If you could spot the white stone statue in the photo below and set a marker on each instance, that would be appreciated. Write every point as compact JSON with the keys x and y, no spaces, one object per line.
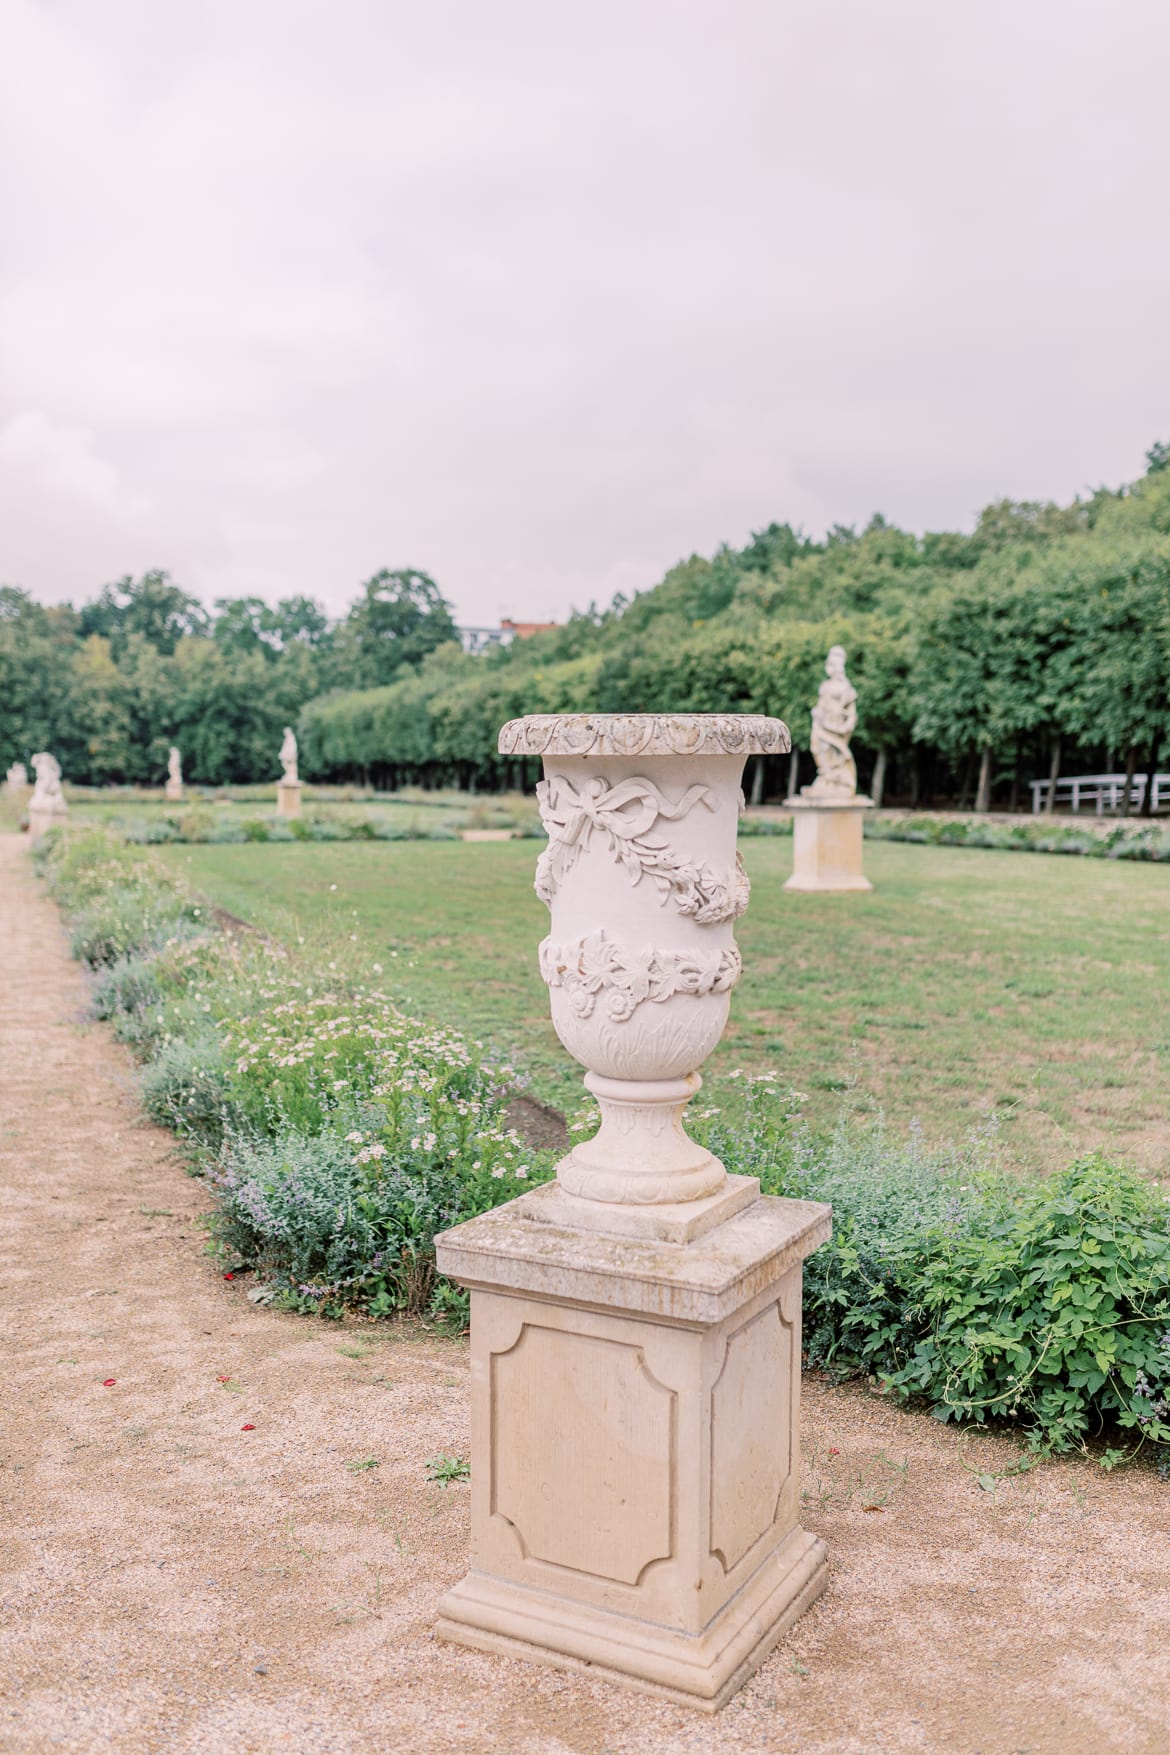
{"x":174,"y":774}
{"x":46,"y":807}
{"x":288,"y":757}
{"x":47,"y":794}
{"x":17,"y":776}
{"x":834,"y":720}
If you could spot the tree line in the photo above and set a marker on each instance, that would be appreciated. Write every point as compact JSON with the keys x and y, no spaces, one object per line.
{"x":1036,"y":644}
{"x":1039,"y":643}
{"x":111,"y":686}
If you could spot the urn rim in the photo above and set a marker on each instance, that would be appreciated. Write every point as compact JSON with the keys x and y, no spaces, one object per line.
{"x":644,"y":734}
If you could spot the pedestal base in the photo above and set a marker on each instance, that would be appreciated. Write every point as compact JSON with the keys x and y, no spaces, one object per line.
{"x":41,"y":821}
{"x":827,"y":842}
{"x":703,"y":1671}
{"x":635,"y":1444}
{"x":288,"y":798}
{"x":174,"y":792}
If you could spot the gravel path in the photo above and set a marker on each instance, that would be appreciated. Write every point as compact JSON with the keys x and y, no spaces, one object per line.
{"x":190,"y":1564}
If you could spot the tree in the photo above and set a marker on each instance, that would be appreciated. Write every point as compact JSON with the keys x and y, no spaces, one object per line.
{"x":399,"y":618}
{"x":151,"y":606}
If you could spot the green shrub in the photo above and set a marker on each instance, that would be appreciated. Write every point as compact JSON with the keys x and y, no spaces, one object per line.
{"x":334,"y":1220}
{"x":183,"y":1088}
{"x":125,"y":921}
{"x":345,"y":1134}
{"x":1045,"y":1303}
{"x":1054,"y":1309}
{"x":1028,"y":835}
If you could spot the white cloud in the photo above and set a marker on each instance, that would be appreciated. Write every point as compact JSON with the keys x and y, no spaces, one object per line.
{"x":62,"y":460}
{"x":541,"y":299}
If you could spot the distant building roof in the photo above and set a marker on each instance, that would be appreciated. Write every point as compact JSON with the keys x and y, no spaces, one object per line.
{"x":476,"y":640}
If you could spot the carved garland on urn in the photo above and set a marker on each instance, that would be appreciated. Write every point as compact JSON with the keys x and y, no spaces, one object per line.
{"x":622,"y":817}
{"x":596,"y":964}
{"x":641,"y":1015}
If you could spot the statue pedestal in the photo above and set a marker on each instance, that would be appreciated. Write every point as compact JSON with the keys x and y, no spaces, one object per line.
{"x":288,"y":798}
{"x":174,"y":792}
{"x":42,"y":818}
{"x":827,"y":843}
{"x":635,"y":1442}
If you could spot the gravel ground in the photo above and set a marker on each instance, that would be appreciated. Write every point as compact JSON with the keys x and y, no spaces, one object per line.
{"x":189,"y":1562}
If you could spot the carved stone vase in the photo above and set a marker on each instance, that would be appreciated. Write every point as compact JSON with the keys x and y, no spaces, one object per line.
{"x":635,"y":1325}
{"x":644,"y":886}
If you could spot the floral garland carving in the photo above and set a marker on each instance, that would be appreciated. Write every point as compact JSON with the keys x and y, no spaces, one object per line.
{"x":638,"y":734}
{"x":595,"y":965}
{"x":623,"y":815}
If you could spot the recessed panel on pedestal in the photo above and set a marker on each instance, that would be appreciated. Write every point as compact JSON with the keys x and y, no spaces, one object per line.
{"x":583,"y":1453}
{"x":751,"y":1435}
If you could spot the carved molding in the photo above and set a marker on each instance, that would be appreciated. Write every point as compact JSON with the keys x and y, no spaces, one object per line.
{"x":640,"y":734}
{"x":595,"y":966}
{"x":621,"y":816}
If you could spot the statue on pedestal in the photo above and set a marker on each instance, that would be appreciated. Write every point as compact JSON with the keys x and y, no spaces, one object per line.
{"x":827,"y":816}
{"x":834,"y":720}
{"x":288,"y":787}
{"x":17,"y":777}
{"x":47,"y":794}
{"x":174,"y":773}
{"x":288,"y":758}
{"x":46,"y":807}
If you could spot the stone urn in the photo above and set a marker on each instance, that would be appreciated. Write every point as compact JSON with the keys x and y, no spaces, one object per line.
{"x":635,"y":1325}
{"x":643,"y":886}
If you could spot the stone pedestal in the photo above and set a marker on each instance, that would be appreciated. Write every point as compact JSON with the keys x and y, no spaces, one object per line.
{"x":635,"y":1326}
{"x":635,"y":1438}
{"x":827,"y":843}
{"x":174,"y":792}
{"x":42,"y":818}
{"x":288,"y":798}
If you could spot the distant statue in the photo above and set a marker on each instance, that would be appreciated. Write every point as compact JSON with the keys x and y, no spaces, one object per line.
{"x":834,"y":720}
{"x":47,"y":794}
{"x":174,"y":774}
{"x":288,"y":758}
{"x":17,"y":776}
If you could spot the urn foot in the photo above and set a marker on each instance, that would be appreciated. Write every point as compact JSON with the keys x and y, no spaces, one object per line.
{"x":641,"y":1154}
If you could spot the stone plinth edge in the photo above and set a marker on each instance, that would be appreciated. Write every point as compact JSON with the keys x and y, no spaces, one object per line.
{"x":849,"y":801}
{"x":644,"y":734}
{"x":693,"y":1284}
{"x":672,"y":1222}
{"x":699,"y":1670}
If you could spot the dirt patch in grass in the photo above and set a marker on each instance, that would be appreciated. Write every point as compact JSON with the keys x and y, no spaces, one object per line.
{"x":540,"y":1125}
{"x":234,"y":1545}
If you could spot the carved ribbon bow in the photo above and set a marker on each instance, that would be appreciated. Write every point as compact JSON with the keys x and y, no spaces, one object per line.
{"x":568,"y":814}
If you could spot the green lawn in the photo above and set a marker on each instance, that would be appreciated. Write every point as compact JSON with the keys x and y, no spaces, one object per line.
{"x":968,"y":983}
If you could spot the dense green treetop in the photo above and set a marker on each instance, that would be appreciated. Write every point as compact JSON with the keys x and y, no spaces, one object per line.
{"x":1043,"y":629}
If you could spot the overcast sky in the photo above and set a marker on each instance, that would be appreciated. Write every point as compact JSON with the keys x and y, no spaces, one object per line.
{"x":542,"y":297}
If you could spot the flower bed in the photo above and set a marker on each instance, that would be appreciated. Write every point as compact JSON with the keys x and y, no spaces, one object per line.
{"x":340,"y":1135}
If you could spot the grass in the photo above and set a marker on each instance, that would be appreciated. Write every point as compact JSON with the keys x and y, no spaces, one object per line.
{"x":968,"y":984}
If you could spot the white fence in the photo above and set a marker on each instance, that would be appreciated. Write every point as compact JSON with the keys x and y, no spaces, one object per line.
{"x":1103,"y":792}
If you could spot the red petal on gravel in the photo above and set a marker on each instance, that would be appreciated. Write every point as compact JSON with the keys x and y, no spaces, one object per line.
{"x":247,"y":1428}
{"x":229,"y":1276}
{"x":109,"y":1382}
